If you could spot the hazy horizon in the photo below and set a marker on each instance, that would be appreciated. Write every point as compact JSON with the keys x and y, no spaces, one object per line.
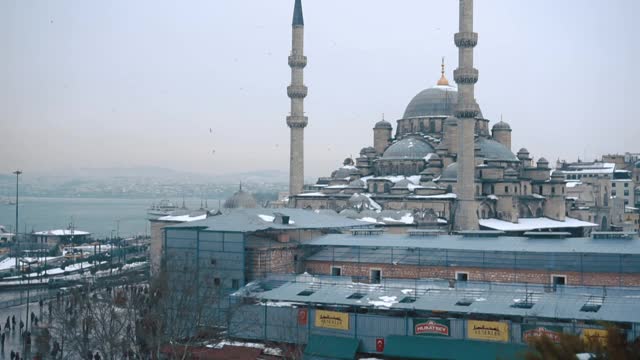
{"x":200,"y":86}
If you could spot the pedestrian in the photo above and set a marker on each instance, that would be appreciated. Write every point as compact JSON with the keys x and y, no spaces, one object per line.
{"x":96,"y":356}
{"x":36,"y":321}
{"x":17,"y":355}
{"x":32,"y":317}
{"x":40,"y":303}
{"x":2,"y":340}
{"x":21,"y":326}
{"x":13,"y":355}
{"x":13,"y":321}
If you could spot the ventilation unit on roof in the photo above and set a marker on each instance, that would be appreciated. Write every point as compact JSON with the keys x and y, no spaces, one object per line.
{"x":464,"y":302}
{"x":593,"y":304}
{"x":355,"y":296}
{"x":547,"y":234}
{"x":366,"y":232}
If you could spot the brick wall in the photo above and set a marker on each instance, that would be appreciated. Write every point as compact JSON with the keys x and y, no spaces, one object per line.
{"x":475,"y":274}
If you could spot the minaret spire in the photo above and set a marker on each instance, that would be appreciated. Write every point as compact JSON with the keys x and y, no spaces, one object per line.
{"x":443,"y":79}
{"x":466,"y":217}
{"x":298,"y":19}
{"x":297,"y":92}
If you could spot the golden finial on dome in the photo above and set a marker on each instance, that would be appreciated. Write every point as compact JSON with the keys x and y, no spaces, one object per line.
{"x":443,"y":79}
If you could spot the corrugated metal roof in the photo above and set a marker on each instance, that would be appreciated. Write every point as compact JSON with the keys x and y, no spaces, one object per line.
{"x":501,"y":243}
{"x":249,"y":220}
{"x":617,"y":304}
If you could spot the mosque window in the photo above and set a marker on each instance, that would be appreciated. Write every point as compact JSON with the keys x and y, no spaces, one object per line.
{"x":506,"y":189}
{"x":540,"y":189}
{"x":553,"y":189}
{"x":493,"y":189}
{"x":525,"y":189}
{"x":626,"y":184}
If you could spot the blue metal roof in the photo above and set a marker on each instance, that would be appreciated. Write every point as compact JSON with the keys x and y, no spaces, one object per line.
{"x":565,"y":303}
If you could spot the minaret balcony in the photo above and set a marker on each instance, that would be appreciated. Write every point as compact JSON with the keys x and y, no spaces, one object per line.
{"x":466,"y":111}
{"x":465,"y":76}
{"x":299,"y":61}
{"x":297,"y":91}
{"x":466,"y":39}
{"x":297,"y":121}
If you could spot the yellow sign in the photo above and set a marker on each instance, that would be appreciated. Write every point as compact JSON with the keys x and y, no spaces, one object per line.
{"x":332,"y":320}
{"x":595,"y":335}
{"x":487,"y":330}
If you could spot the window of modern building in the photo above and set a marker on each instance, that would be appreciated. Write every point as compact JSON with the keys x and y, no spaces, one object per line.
{"x":626,"y":184}
{"x":375,"y":275}
{"x":336,"y":271}
{"x":235,"y":284}
{"x":613,"y":193}
{"x":216,"y":281}
{"x":553,"y":189}
{"x":626,"y":193}
{"x":462,"y":276}
{"x":613,"y":184}
{"x":506,"y":189}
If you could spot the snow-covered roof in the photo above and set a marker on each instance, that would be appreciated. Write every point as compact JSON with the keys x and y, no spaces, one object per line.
{"x":527,"y":224}
{"x":62,"y":232}
{"x":183,"y":218}
{"x":590,"y":168}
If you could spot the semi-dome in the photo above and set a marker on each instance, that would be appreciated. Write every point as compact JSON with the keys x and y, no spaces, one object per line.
{"x":493,"y":150}
{"x":638,"y":165}
{"x":241,"y":199}
{"x":345,"y":171}
{"x":383,"y":124}
{"x":501,"y":126}
{"x":408,"y":148}
{"x":357,"y":184}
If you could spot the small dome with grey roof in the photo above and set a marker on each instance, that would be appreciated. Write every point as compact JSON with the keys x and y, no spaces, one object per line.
{"x":493,"y":150}
{"x":408,"y":148}
{"x":241,"y":199}
{"x":357,"y":184}
{"x":501,"y":126}
{"x":450,"y":173}
{"x":403,"y":184}
{"x":638,"y":165}
{"x":383,"y":124}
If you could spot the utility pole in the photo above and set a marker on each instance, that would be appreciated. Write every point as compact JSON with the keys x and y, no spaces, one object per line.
{"x":15,"y":235}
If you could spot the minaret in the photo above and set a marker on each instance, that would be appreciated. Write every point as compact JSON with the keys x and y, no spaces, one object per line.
{"x":297,"y":92}
{"x":467,"y":109}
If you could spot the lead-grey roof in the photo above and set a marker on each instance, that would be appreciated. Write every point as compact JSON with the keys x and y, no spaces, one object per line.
{"x":493,"y":150}
{"x":408,"y":148}
{"x":298,"y":19}
{"x":250,"y":220}
{"x":435,"y":101}
{"x":617,"y":304}
{"x":501,"y":243}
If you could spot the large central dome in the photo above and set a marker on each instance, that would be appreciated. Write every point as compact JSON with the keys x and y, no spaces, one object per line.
{"x":439,"y":100}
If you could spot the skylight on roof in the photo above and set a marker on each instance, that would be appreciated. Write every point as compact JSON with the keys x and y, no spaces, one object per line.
{"x":355,"y":296}
{"x":305,"y":292}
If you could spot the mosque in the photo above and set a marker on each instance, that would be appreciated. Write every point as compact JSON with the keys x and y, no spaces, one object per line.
{"x":444,"y":164}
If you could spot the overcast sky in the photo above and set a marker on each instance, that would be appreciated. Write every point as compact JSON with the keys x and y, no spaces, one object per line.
{"x":124,"y":83}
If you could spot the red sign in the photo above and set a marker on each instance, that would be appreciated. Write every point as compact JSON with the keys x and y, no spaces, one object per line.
{"x":380,"y":344}
{"x":302,"y":316}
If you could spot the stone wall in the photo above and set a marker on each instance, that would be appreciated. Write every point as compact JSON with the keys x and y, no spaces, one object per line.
{"x":361,"y":270}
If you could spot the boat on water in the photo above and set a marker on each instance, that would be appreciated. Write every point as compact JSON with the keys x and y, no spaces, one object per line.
{"x":162,"y":208}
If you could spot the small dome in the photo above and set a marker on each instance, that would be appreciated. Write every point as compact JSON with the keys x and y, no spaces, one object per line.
{"x":523,"y":151}
{"x":501,"y":126}
{"x":408,"y":148}
{"x":348,"y":162}
{"x":367,"y":150}
{"x":403,"y":184}
{"x":493,"y":150}
{"x":345,"y":172}
{"x":439,"y":100}
{"x":383,"y":124}
{"x":543,"y":163}
{"x":450,"y":173}
{"x":358,"y":184}
{"x":638,"y":165}
{"x":241,"y":199}
{"x":451,"y":121}
{"x":557,"y":174}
